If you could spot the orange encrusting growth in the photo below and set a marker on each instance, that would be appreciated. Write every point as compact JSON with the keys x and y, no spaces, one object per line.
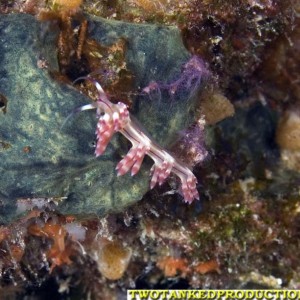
{"x":170,"y":266}
{"x":58,"y":254}
{"x":208,"y":267}
{"x":68,"y":4}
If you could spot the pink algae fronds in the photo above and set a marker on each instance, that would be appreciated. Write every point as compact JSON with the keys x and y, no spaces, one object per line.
{"x":192,"y":74}
{"x":116,"y":118}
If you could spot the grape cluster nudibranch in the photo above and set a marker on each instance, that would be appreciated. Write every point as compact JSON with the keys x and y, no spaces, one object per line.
{"x":116,"y":118}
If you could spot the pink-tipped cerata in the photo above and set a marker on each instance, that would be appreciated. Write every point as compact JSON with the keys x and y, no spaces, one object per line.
{"x":116,"y":118}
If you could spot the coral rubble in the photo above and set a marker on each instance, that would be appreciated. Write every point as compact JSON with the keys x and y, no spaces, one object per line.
{"x":215,"y":82}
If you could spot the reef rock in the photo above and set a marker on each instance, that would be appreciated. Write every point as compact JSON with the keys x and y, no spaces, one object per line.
{"x":39,"y":157}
